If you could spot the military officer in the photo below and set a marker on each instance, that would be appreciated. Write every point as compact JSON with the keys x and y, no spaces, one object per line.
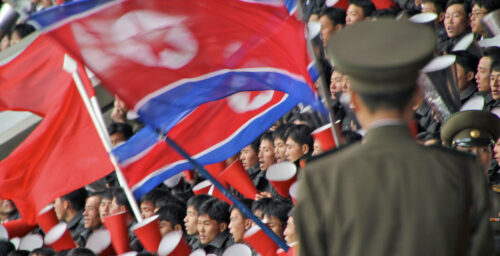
{"x":388,"y":195}
{"x":475,"y":131}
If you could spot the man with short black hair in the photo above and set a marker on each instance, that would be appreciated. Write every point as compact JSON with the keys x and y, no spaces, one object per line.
{"x":276,"y":216}
{"x":481,"y":8}
{"x":119,"y":133}
{"x":171,"y":218}
{"x":299,"y":143}
{"x":91,"y":218}
{"x":213,"y":219}
{"x":358,"y":10}
{"x":332,"y":19}
{"x":402,"y":198}
{"x":239,"y":223}
{"x":69,"y":208}
{"x":466,"y":65}
{"x":191,"y":220}
{"x":456,"y":23}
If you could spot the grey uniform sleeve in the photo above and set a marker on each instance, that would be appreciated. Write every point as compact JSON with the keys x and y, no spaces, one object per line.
{"x":480,"y":236}
{"x":308,"y":216}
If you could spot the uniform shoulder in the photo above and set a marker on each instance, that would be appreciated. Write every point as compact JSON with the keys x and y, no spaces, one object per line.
{"x":330,"y":153}
{"x":451,"y":151}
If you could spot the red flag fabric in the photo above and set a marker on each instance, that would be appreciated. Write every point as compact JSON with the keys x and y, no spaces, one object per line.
{"x":64,"y":151}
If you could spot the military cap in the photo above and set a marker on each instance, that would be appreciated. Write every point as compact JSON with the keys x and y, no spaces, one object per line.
{"x":383,"y":55}
{"x":470,"y":128}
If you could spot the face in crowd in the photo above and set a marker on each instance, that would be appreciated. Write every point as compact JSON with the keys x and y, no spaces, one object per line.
{"x":294,"y":150}
{"x":456,"y":21}
{"x":248,"y":157}
{"x":91,"y":215}
{"x":209,"y":228}
{"x":483,"y":74}
{"x":354,"y":14}
{"x":279,"y":150}
{"x":191,"y":221}
{"x":104,"y":207}
{"x":266,"y":155}
{"x":147,"y":209}
{"x":238,"y":225}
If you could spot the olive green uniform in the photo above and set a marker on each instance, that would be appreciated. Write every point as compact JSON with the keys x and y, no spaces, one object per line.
{"x":391,"y":196}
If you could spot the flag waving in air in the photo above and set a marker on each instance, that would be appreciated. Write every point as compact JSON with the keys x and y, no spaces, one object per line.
{"x":212,"y":74}
{"x":64,"y":152}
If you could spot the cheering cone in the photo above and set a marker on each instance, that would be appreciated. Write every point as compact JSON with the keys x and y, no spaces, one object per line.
{"x":31,"y":242}
{"x":59,"y":238}
{"x":173,"y":244}
{"x":47,"y":218}
{"x":218,"y":194}
{"x":325,"y":137}
{"x":294,"y":192}
{"x":100,"y":243}
{"x":202,"y":187}
{"x":117,"y":227}
{"x":216,"y":169}
{"x":291,"y":251}
{"x":236,"y":176}
{"x":198,"y":252}
{"x":282,"y":176}
{"x":148,"y":232}
{"x":238,"y":249}
{"x":16,"y":228}
{"x":260,"y":241}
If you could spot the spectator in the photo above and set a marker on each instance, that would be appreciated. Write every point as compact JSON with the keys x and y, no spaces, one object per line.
{"x":81,"y":252}
{"x":456,"y":23}
{"x":249,"y":158}
{"x":276,"y":215}
{"x":299,"y":143}
{"x":171,"y":218}
{"x":69,"y":208}
{"x":332,"y":19}
{"x":19,"y":32}
{"x":120,"y":204}
{"x":481,"y":8}
{"x":358,"y":10}
{"x":279,"y":142}
{"x":105,"y":203}
{"x":91,"y":218}
{"x":44,"y":251}
{"x":191,"y":219}
{"x":239,"y":223}
{"x":466,"y":64}
{"x":213,"y":219}
{"x":6,"y":247}
{"x":289,"y":233}
{"x":119,"y":133}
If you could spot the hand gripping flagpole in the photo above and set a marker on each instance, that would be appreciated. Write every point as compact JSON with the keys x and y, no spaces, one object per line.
{"x":71,"y":67}
{"x":280,"y":242}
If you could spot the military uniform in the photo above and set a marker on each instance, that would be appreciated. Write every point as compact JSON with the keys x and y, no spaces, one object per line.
{"x":476,"y":128}
{"x":389,"y":195}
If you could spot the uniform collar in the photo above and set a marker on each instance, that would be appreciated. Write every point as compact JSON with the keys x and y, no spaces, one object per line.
{"x":388,"y":132}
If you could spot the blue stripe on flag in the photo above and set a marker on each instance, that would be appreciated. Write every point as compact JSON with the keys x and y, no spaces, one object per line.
{"x":57,"y":13}
{"x":187,"y":94}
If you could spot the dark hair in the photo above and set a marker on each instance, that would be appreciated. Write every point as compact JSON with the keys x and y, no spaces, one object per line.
{"x":366,"y":5}
{"x":216,"y":210}
{"x":280,"y":132}
{"x":467,"y":60}
{"x":62,"y":253}
{"x":495,"y":65}
{"x":255,"y":145}
{"x":465,"y":4}
{"x":22,"y":29}
{"x":351,"y":136}
{"x":19,"y":253}
{"x":268,"y":135}
{"x":385,"y":13}
{"x":394,"y":100}
{"x":46,"y":251}
{"x":81,"y":251}
{"x":247,"y":202}
{"x":301,"y":134}
{"x":121,"y":199}
{"x":279,"y":210}
{"x":122,"y":128}
{"x":261,"y":204}
{"x":108,"y":194}
{"x":335,"y":15}
{"x":76,"y":198}
{"x":440,"y":5}
{"x":489,"y":5}
{"x":313,"y":119}
{"x":172,"y":213}
{"x":6,"y":246}
{"x":155,"y":194}
{"x":197,"y":200}
{"x":144,"y":254}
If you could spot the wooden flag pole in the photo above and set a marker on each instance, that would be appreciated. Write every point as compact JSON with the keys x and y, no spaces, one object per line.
{"x":71,"y":67}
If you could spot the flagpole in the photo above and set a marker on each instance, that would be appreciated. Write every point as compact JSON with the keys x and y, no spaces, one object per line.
{"x":322,"y":79}
{"x":71,"y":67}
{"x":243,"y":208}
